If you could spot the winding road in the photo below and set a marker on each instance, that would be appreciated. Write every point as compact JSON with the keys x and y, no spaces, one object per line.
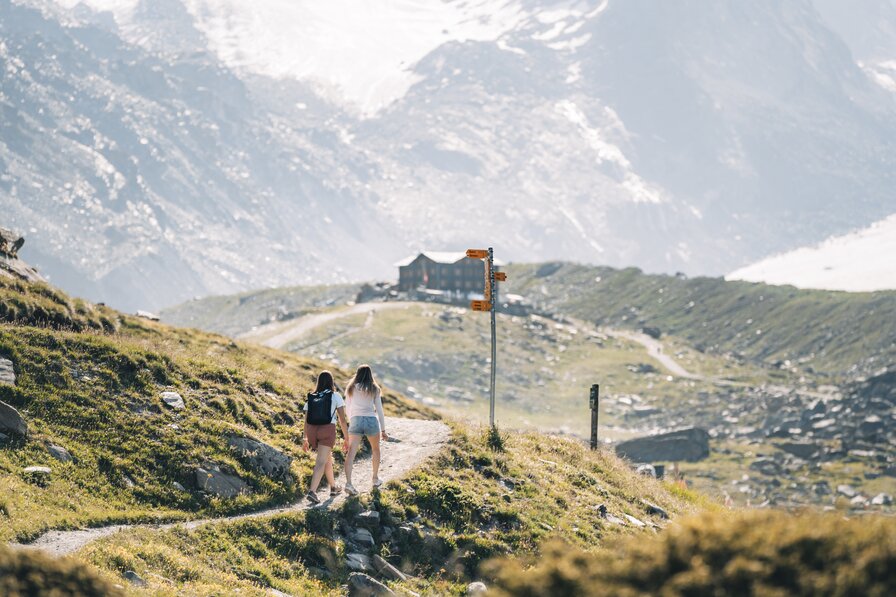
{"x":411,"y":442}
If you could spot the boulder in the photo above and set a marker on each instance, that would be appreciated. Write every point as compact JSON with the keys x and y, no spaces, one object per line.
{"x":363,"y":537}
{"x":261,"y":457}
{"x":804,"y":450}
{"x":361,"y":585}
{"x":655,"y":510}
{"x":369,"y":519}
{"x":134,"y":578}
{"x":11,"y":421}
{"x":358,"y":562}
{"x":210,"y":478}
{"x":688,"y":445}
{"x":847,"y":490}
{"x":7,"y":372}
{"x":388,"y":570}
{"x":882,"y":499}
{"x":173,"y":400}
{"x":59,"y":453}
{"x":476,"y":589}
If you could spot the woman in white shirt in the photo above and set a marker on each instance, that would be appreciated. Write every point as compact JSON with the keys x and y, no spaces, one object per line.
{"x":364,"y":404}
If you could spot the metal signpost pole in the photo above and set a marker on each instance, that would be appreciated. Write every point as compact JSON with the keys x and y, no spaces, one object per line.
{"x":594,"y":403}
{"x":493,"y":288}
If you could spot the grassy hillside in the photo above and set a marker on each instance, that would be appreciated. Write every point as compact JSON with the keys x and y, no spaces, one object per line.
{"x":235,"y":314}
{"x":90,"y":380}
{"x":440,"y":355}
{"x":468,"y":505}
{"x":748,"y":553}
{"x":822,"y":330}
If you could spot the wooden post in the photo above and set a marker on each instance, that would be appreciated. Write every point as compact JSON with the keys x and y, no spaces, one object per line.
{"x":594,"y":402}
{"x":493,"y":297}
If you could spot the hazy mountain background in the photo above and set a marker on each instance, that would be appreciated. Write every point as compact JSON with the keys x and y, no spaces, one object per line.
{"x":157,"y":150}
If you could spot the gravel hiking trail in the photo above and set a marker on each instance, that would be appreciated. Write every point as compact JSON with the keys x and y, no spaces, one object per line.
{"x":278,"y":335}
{"x":411,"y":442}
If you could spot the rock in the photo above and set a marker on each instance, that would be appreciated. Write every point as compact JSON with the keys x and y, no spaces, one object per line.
{"x":147,"y":315}
{"x":261,"y":457}
{"x":361,"y":585}
{"x":7,"y":373}
{"x":210,"y":478}
{"x":766,"y":466}
{"x":134,"y":578}
{"x":615,"y":520}
{"x":11,"y":421}
{"x":685,"y":445}
{"x":358,"y":562}
{"x":648,"y":470}
{"x":846,"y":490}
{"x":804,"y":450}
{"x":59,"y":453}
{"x":634,"y":521}
{"x":601,"y":510}
{"x":369,"y":519}
{"x":178,"y":486}
{"x":476,"y":589}
{"x":363,"y":538}
{"x":388,"y":570}
{"x":882,"y":499}
{"x":655,"y":510}
{"x":173,"y":400}
{"x":859,"y":501}
{"x":38,"y":471}
{"x":872,"y":425}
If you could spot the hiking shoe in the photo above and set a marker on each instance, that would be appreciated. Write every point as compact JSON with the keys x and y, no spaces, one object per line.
{"x":335,"y":490}
{"x":377,"y":483}
{"x":312,"y":497}
{"x":350,"y":489}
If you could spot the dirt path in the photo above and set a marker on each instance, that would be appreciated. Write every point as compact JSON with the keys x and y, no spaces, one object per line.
{"x":278,"y":335}
{"x":411,"y":442}
{"x":654,"y":350}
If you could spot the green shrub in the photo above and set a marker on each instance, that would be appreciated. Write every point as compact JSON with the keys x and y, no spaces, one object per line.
{"x":748,"y":553}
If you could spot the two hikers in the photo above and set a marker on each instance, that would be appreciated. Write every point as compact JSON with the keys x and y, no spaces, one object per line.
{"x":363,"y":408}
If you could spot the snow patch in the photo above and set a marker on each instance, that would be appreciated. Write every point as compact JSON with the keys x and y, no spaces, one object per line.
{"x":861,"y":261}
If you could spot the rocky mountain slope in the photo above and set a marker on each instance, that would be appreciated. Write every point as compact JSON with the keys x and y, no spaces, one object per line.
{"x":185,"y":159}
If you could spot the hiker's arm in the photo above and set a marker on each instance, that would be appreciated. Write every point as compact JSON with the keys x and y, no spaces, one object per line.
{"x":305,"y":445}
{"x":378,"y":405}
{"x":340,"y":414}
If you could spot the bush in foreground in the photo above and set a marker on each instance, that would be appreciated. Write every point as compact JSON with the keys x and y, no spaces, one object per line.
{"x":748,"y":553}
{"x":25,"y":573}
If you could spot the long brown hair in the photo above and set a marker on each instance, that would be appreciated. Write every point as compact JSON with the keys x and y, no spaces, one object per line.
{"x":364,"y":381}
{"x":325,"y":382}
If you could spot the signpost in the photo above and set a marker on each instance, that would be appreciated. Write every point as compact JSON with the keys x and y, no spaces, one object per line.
{"x":594,"y":403}
{"x":490,"y":304}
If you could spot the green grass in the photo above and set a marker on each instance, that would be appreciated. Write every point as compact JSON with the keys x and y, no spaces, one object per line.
{"x":545,"y":369}
{"x":746,"y":553}
{"x":447,"y":518}
{"x":95,"y":389}
{"x":827,"y":331}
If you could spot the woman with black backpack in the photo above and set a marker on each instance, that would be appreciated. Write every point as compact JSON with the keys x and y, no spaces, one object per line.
{"x":322,"y":409}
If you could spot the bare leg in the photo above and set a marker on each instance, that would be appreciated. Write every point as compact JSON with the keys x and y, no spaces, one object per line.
{"x":375,"y":454}
{"x":328,"y":472}
{"x":354,"y":444}
{"x":323,"y":456}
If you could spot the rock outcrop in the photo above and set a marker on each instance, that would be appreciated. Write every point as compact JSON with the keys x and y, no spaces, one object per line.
{"x":7,"y":372}
{"x":212,"y":479}
{"x":11,"y":421}
{"x":10,"y":264}
{"x":685,"y":445}
{"x":262,"y":458}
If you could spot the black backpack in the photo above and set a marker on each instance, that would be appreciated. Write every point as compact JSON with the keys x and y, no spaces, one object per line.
{"x":319,"y":408}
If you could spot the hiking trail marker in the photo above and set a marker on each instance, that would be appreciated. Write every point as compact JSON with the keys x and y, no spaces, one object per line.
{"x":490,"y":304}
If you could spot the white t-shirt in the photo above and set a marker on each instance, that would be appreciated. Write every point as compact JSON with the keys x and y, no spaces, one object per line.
{"x":335,"y":403}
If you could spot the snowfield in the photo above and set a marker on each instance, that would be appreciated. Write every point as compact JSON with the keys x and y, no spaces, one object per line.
{"x":862,"y":261}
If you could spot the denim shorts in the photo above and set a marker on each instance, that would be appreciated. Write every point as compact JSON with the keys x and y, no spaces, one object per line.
{"x":364,"y":426}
